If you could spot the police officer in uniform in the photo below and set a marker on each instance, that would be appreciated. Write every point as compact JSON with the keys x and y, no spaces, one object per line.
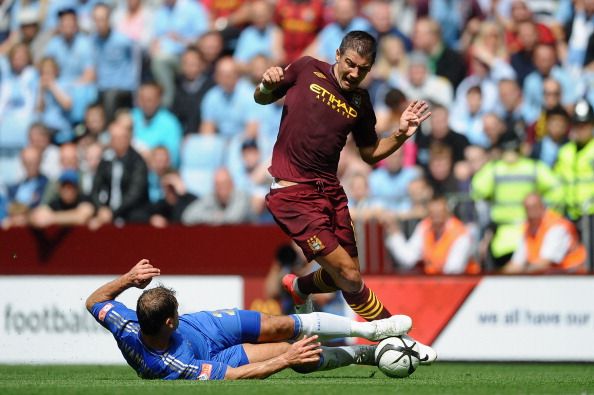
{"x":575,"y":168}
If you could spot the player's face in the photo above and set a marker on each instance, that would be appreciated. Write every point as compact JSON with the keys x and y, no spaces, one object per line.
{"x":351,"y":68}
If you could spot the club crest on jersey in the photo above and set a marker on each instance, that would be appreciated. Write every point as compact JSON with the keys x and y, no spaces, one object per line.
{"x":205,"y":372}
{"x":319,"y":75}
{"x":315,"y":244}
{"x":335,"y":103}
{"x":104,"y":310}
{"x":357,"y":100}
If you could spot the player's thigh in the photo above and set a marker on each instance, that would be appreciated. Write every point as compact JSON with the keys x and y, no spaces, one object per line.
{"x":231,"y":327}
{"x":343,"y":224}
{"x":306,"y":216}
{"x":264,"y":351}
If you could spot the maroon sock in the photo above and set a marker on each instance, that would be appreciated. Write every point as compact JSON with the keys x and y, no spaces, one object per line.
{"x":366,"y":304}
{"x":318,"y":282}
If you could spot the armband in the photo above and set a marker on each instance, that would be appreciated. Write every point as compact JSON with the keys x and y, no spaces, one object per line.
{"x":265,"y":90}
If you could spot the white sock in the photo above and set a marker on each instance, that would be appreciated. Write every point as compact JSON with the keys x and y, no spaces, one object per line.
{"x":336,"y":357}
{"x":330,"y":326}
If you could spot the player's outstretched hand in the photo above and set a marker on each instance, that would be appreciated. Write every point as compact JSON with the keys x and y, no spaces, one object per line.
{"x":142,"y":273}
{"x":272,"y":77}
{"x":412,"y":117}
{"x":304,"y":351}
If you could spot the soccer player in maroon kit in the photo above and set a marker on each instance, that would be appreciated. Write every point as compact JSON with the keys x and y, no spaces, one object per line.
{"x":323,"y":104}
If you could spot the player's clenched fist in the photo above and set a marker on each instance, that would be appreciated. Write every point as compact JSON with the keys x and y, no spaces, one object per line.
{"x":271,"y":78}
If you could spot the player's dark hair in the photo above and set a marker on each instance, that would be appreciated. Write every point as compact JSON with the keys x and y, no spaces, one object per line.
{"x":361,"y":42}
{"x":153,"y":308}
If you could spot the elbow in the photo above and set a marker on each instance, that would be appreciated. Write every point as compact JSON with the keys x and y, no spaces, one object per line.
{"x":261,"y":99}
{"x":231,"y":374}
{"x":89,"y":303}
{"x":368,"y":155}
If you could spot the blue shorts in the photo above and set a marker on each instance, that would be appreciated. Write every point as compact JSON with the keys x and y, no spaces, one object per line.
{"x":226,"y":331}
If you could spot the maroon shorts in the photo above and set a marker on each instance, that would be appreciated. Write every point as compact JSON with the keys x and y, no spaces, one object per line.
{"x":316,"y":218}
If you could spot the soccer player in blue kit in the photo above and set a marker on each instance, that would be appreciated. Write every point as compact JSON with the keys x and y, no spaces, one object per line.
{"x":226,"y":344}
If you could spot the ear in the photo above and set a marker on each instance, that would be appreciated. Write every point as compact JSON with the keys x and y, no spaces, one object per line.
{"x":337,"y":55}
{"x":170,"y":323}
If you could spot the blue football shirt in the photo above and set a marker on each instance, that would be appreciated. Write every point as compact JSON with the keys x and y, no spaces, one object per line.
{"x":192,"y":354}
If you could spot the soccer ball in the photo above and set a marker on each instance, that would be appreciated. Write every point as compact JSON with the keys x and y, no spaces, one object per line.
{"x":397,"y":356}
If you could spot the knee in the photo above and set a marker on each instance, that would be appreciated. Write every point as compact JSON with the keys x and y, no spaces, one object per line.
{"x":276,"y":328}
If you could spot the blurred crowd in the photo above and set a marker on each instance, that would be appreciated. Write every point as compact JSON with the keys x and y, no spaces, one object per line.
{"x":130,"y":111}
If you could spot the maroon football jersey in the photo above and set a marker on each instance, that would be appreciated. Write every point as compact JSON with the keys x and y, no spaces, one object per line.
{"x":317,"y":118}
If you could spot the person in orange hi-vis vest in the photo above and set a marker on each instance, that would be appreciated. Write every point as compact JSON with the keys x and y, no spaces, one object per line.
{"x":440,"y":242}
{"x":550,"y":242}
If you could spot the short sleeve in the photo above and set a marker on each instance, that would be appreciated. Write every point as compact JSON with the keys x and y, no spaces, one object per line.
{"x":113,"y":315}
{"x":364,"y":130}
{"x":291,"y":73}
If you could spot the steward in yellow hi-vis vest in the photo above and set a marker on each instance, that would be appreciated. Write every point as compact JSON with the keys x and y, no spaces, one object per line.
{"x":549,"y":243}
{"x":575,"y":164}
{"x":504,"y":183}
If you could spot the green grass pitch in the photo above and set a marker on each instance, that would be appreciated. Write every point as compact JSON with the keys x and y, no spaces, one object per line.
{"x":441,"y":378}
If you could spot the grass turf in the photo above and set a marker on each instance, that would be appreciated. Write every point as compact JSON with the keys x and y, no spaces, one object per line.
{"x":441,"y":378}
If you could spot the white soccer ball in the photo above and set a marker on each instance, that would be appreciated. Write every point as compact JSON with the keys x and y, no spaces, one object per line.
{"x":397,"y":356}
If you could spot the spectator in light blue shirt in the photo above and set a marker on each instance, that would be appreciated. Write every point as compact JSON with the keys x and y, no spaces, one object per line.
{"x":581,"y":27}
{"x":177,"y":24}
{"x":263,"y":37}
{"x":55,"y":101}
{"x":249,"y":170}
{"x":7,"y":20}
{"x":19,"y":85}
{"x":227,"y":108}
{"x":388,"y":185}
{"x":72,"y":50}
{"x":117,"y":60}
{"x":545,"y":60}
{"x":155,"y":125}
{"x":159,"y":164}
{"x":263,"y":122}
{"x":467,"y":119}
{"x":345,"y":20}
{"x":18,"y":93}
{"x":50,"y":11}
{"x":30,"y":190}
